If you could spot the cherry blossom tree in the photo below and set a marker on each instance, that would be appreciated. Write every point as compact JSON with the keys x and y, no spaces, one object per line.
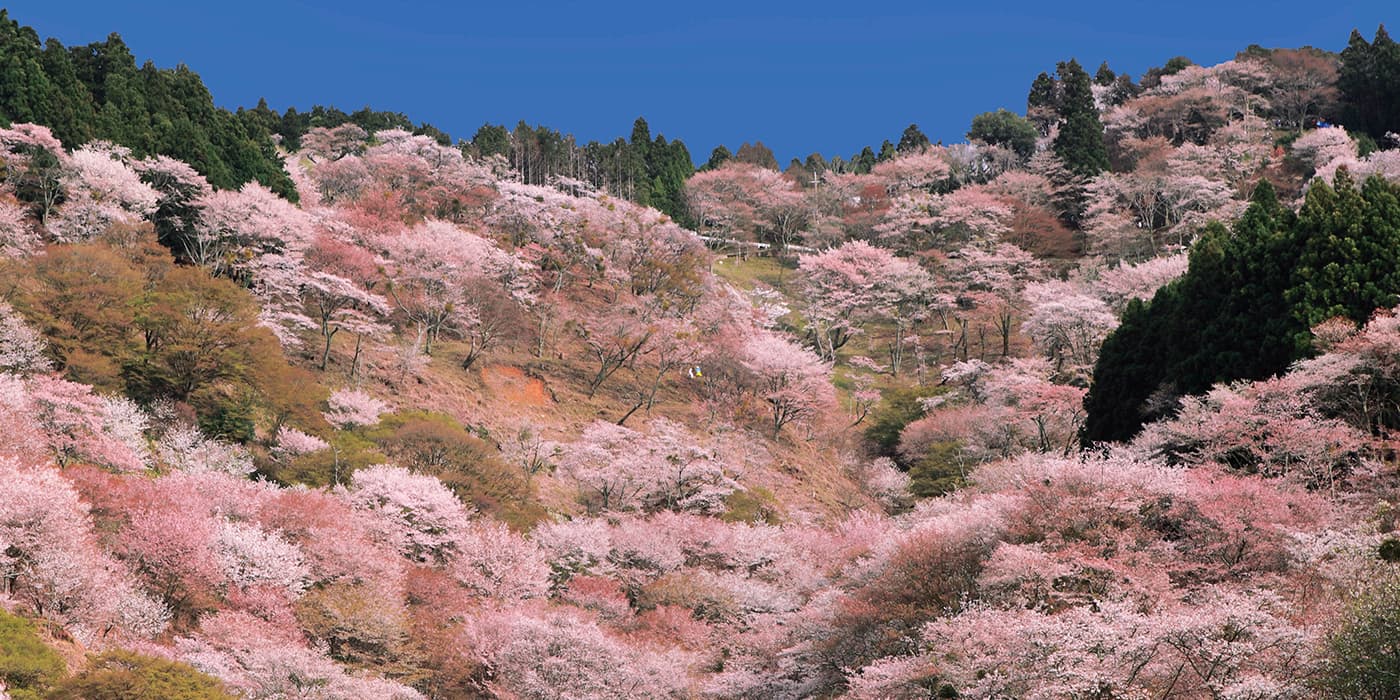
{"x":500,"y":564}
{"x":351,"y":408}
{"x":52,"y":565}
{"x":180,"y":189}
{"x":851,"y":285}
{"x":416,"y":514}
{"x":18,"y":238}
{"x":338,"y":304}
{"x":261,"y":659}
{"x":749,"y":202}
{"x":250,"y":557}
{"x":621,"y":469}
{"x":238,"y":227}
{"x":1067,"y":324}
{"x":22,"y":349}
{"x":970,"y":213}
{"x":677,"y":346}
{"x":542,"y":653}
{"x":292,"y":442}
{"x":1229,"y":645}
{"x":102,"y":189}
{"x":614,"y":337}
{"x":81,"y":426}
{"x":1325,"y":150}
{"x":431,"y":269}
{"x":329,"y":144}
{"x":791,"y":380}
{"x":183,"y":448}
{"x":992,"y":277}
{"x":35,"y":167}
{"x":920,"y":170}
{"x":1119,"y":285}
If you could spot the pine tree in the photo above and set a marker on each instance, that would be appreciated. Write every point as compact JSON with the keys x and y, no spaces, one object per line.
{"x":1080,"y":142}
{"x":1369,"y":81}
{"x":1105,"y":75}
{"x":886,"y":151}
{"x":1244,"y":308}
{"x":25,"y":90}
{"x":912,"y":140}
{"x":71,"y":115}
{"x":863,"y":161}
{"x":719,"y":156}
{"x":1043,"y":102}
{"x":1350,"y":262}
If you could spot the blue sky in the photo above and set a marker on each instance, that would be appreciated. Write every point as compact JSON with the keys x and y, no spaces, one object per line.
{"x":799,"y":76}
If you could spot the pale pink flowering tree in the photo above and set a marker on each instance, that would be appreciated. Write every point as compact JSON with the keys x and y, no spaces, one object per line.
{"x":722,"y":198}
{"x":340,"y":181}
{"x":21,"y":347}
{"x":1263,"y":427}
{"x":51,"y":564}
{"x":892,"y":678}
{"x":36,"y":163}
{"x":851,"y":285}
{"x":1224,"y":643}
{"x":1358,"y":367}
{"x":914,"y":171}
{"x":180,"y":189}
{"x":1201,"y":187}
{"x":1055,"y":410}
{"x":500,"y":564}
{"x":262,"y":659}
{"x":352,"y":408}
{"x":328,"y":144}
{"x":292,"y":442}
{"x":18,"y":238}
{"x":102,"y":189}
{"x":884,"y":482}
{"x":431,"y":272}
{"x":793,"y":381}
{"x":25,"y":439}
{"x":338,"y":304}
{"x":251,"y":557}
{"x":1323,"y":150}
{"x":556,"y":654}
{"x":335,"y":286}
{"x":1243,"y":148}
{"x":976,"y":163}
{"x":614,"y":337}
{"x":183,"y":448}
{"x":126,"y":424}
{"x":622,"y":469}
{"x":749,"y":202}
{"x":1119,"y":285}
{"x":992,"y":277}
{"x":338,"y":546}
{"x":416,"y":514}
{"x":237,"y":228}
{"x":1067,"y":324}
{"x":81,"y":426}
{"x":968,"y":214}
{"x":415,"y":177}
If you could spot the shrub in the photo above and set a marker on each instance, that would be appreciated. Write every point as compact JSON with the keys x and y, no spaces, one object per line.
{"x":27,"y":666}
{"x":124,"y":675}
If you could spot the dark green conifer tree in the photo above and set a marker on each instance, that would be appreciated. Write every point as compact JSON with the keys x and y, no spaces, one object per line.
{"x":1080,"y":141}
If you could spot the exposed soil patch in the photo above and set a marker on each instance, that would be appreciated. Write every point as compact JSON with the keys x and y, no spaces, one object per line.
{"x":512,"y":384}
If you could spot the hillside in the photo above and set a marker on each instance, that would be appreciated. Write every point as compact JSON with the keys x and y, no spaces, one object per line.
{"x":1100,"y":403}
